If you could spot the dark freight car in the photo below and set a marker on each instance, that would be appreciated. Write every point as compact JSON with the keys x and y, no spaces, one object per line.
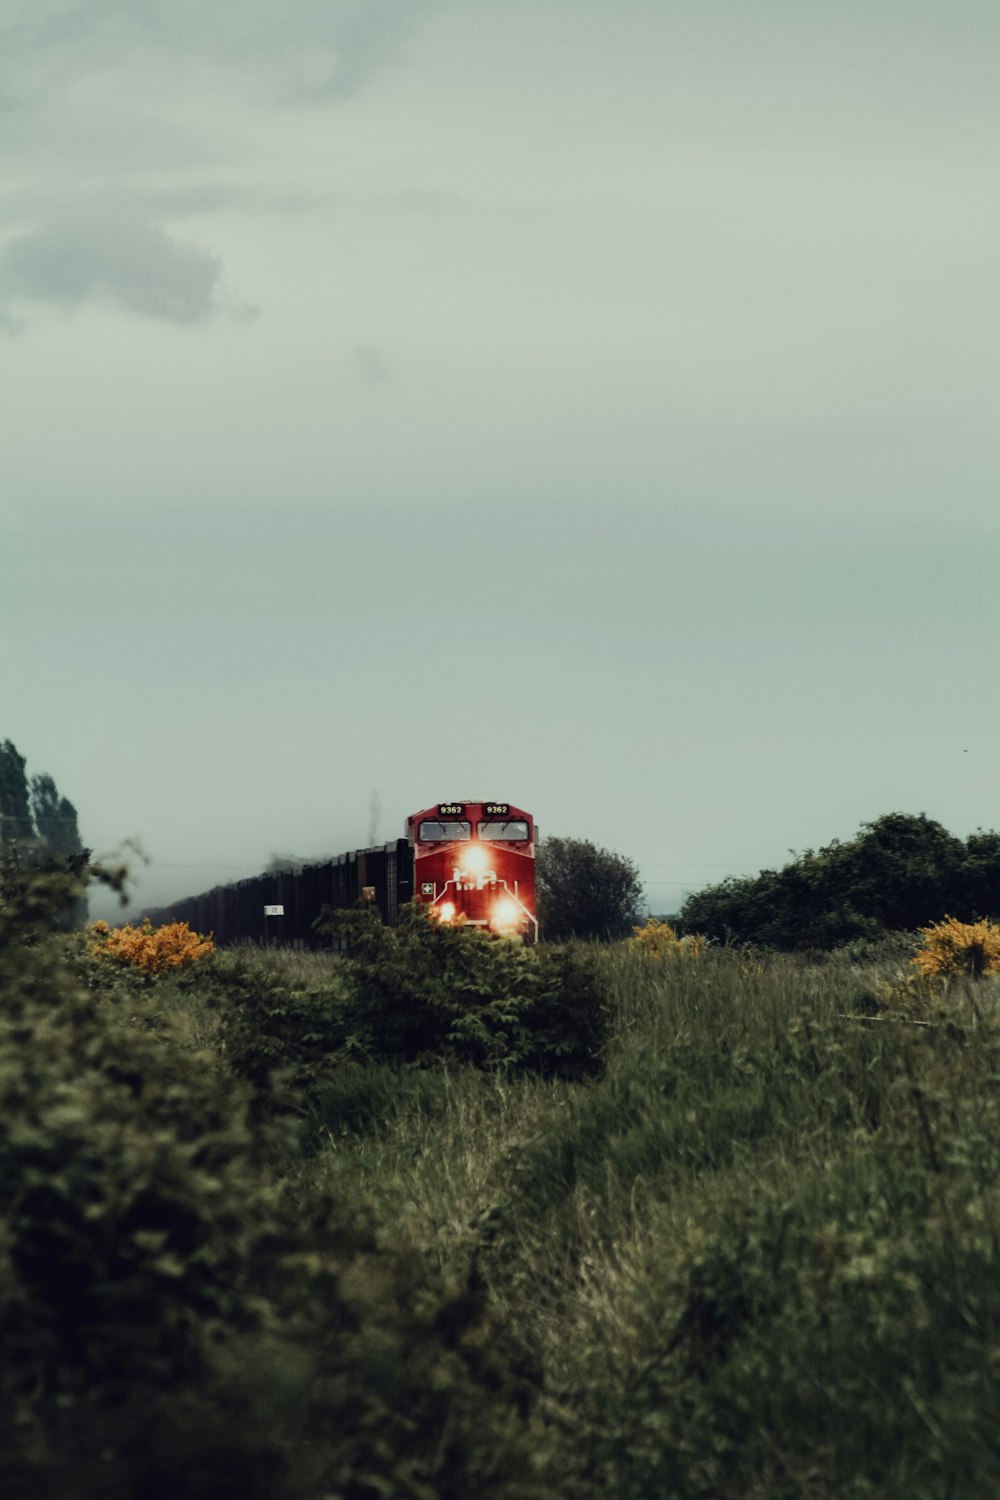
{"x":283,"y":907}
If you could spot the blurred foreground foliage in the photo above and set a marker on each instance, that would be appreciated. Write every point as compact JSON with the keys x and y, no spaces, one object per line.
{"x":177,"y":1316}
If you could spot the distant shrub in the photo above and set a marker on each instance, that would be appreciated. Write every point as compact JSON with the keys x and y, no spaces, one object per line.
{"x":426,"y":992}
{"x":584,"y":891}
{"x":898,"y":873}
{"x":426,"y":989}
{"x":271,"y":1028}
{"x":953,"y":947}
{"x":154,"y":950}
{"x":659,"y":940}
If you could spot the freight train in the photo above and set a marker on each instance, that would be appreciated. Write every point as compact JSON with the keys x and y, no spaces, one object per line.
{"x":466,"y":862}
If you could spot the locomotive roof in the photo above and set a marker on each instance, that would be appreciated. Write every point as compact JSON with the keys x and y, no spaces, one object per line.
{"x":434,"y":809}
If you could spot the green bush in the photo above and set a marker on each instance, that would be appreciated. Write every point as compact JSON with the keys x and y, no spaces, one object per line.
{"x":426,"y":993}
{"x":271,"y":1028}
{"x":177,"y":1319}
{"x":426,"y":990}
{"x":586,"y":892}
{"x":899,"y":873}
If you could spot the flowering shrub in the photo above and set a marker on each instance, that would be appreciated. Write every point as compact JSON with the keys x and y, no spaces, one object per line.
{"x":953,"y":947}
{"x":154,"y":950}
{"x":659,"y":940}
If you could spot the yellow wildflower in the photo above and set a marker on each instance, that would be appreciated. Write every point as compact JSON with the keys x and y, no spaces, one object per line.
{"x":659,"y":940}
{"x":155,"y":950}
{"x":953,"y":947}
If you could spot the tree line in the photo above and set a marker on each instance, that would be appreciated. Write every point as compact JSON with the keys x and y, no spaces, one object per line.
{"x":33,"y":813}
{"x":900,"y":872}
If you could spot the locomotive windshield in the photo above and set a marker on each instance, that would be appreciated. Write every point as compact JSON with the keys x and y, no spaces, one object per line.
{"x":514,"y":830}
{"x":435,"y":830}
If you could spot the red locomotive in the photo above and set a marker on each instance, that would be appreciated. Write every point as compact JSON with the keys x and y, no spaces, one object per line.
{"x":472,"y":862}
{"x":475,"y":862}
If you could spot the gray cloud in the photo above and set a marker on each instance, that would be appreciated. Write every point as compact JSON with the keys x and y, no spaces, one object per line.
{"x":294,"y":49}
{"x":105,"y":243}
{"x":120,"y":121}
{"x":113,"y":259}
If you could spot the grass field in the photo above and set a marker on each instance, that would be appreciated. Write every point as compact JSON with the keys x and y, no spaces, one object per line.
{"x":757,"y":1256}
{"x":753,"y":1252}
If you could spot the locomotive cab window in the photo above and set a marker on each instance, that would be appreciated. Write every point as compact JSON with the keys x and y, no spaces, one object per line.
{"x":438,"y":831}
{"x":509,"y":830}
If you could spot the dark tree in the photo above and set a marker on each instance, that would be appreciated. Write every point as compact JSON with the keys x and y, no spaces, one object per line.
{"x":901,"y":872}
{"x":980,"y":881}
{"x":55,"y":817}
{"x":584,"y":891}
{"x":15,"y":811}
{"x":904,"y":870}
{"x":38,"y":831}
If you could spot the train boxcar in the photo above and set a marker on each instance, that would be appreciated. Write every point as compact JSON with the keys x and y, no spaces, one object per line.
{"x":484,"y":876}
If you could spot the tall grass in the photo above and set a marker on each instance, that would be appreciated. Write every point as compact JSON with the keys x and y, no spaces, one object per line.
{"x":757,"y":1256}
{"x":296,"y":967}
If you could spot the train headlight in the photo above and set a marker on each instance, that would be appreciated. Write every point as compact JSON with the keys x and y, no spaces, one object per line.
{"x":473,"y":858}
{"x":505,"y":913}
{"x":446,"y":911}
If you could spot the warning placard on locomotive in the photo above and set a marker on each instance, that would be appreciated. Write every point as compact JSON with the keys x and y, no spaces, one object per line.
{"x":451,"y":809}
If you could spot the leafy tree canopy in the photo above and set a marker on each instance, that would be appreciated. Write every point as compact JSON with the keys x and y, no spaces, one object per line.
{"x":584,"y":891}
{"x":33,"y":814}
{"x":38,"y":827}
{"x":55,"y":817}
{"x":902,"y":871}
{"x":15,"y":811}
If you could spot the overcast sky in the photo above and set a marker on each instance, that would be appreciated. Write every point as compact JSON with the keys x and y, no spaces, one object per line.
{"x":590,"y":406}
